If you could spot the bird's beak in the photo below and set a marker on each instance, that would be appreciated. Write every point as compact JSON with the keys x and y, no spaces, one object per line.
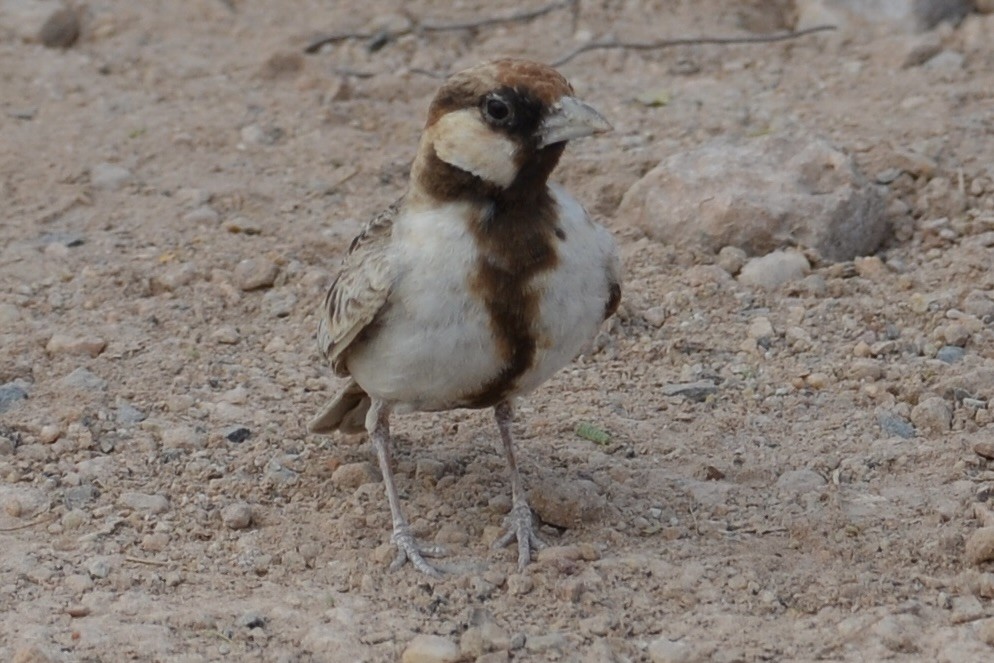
{"x":570,"y":118}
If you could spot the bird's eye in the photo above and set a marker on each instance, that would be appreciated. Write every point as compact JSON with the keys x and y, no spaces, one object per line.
{"x":496,"y":110}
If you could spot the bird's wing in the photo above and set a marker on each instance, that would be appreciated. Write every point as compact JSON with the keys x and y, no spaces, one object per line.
{"x":359,"y":291}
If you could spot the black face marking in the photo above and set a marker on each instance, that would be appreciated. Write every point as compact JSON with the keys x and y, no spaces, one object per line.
{"x":513,"y":111}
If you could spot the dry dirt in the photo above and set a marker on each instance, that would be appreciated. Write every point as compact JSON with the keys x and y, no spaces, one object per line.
{"x":162,"y":500}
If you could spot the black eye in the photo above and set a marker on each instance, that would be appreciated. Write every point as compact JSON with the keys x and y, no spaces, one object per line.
{"x":496,"y":110}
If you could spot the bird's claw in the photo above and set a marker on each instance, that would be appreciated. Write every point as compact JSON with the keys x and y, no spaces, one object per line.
{"x":409,"y":550}
{"x":518,"y":526}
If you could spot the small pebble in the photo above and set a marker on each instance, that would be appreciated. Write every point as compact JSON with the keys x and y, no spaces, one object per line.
{"x":761,"y":329}
{"x":155,"y":542}
{"x":430,"y":649}
{"x":520,"y":584}
{"x":566,"y":503}
{"x":31,"y":654}
{"x":950,"y":354}
{"x":278,"y":303}
{"x":237,"y":515}
{"x":143,"y":502}
{"x":62,"y":28}
{"x":542,"y":643}
{"x":84,"y":380}
{"x":236,"y":434}
{"x":731,"y":259}
{"x":10,"y":394}
{"x":353,"y":475}
{"x":894,"y":424}
{"x":933,"y":415}
{"x":980,"y":546}
{"x":205,"y":215}
{"x":694,"y":391}
{"x":655,"y":315}
{"x":664,"y":650}
{"x":49,"y":433}
{"x":251,"y":619}
{"x":98,"y":568}
{"x":226,"y":335}
{"x":63,"y":344}
{"x":109,"y":177}
{"x":774,"y":269}
{"x":255,"y":273}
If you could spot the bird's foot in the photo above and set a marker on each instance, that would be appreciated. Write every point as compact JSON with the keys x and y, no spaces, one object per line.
{"x":409,"y":550}
{"x":518,"y":526}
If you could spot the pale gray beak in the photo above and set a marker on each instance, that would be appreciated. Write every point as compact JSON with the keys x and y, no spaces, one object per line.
{"x":570,"y":118}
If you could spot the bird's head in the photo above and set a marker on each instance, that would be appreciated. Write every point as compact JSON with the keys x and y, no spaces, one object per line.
{"x":498,"y":127}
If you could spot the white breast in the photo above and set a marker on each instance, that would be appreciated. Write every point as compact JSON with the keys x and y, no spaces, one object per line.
{"x":434,"y":341}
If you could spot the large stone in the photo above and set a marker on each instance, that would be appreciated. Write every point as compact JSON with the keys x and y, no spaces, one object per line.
{"x":760,"y":194}
{"x":903,"y":15}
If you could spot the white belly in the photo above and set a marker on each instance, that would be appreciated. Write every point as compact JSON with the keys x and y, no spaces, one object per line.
{"x":434,"y":341}
{"x":435,"y":344}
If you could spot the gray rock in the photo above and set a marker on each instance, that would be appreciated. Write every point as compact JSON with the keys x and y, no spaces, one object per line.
{"x":79,"y":496}
{"x":236,"y":434}
{"x":950,"y":354}
{"x":10,"y":395}
{"x":110,"y":177}
{"x":903,"y":15}
{"x":98,"y":567}
{"x":278,"y":303}
{"x":892,"y":423}
{"x":84,"y":380}
{"x":695,"y":391}
{"x":127,"y":414}
{"x":759,"y":195}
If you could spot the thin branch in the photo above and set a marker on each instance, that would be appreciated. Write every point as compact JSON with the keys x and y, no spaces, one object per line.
{"x":39,"y":521}
{"x":430,"y":26}
{"x":687,"y":41}
{"x":150,"y":562}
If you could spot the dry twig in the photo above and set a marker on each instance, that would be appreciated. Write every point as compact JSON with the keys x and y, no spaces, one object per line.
{"x":150,"y":562}
{"x":39,"y":521}
{"x":686,"y":41}
{"x":379,"y":39}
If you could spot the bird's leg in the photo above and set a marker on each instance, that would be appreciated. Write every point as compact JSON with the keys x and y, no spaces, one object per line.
{"x":377,"y":423}
{"x":518,"y":523}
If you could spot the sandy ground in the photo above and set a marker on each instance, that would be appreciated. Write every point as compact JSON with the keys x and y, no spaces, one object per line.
{"x":163,"y":501}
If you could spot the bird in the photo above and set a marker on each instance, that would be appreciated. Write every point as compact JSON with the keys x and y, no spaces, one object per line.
{"x":476,"y":286}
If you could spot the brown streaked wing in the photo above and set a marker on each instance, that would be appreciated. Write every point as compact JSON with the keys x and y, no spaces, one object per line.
{"x":359,"y":291}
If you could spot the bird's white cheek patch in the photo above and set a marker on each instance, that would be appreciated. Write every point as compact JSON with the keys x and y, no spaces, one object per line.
{"x":462,"y":140}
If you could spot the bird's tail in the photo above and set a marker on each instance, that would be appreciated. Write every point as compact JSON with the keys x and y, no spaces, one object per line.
{"x":346,"y":412}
